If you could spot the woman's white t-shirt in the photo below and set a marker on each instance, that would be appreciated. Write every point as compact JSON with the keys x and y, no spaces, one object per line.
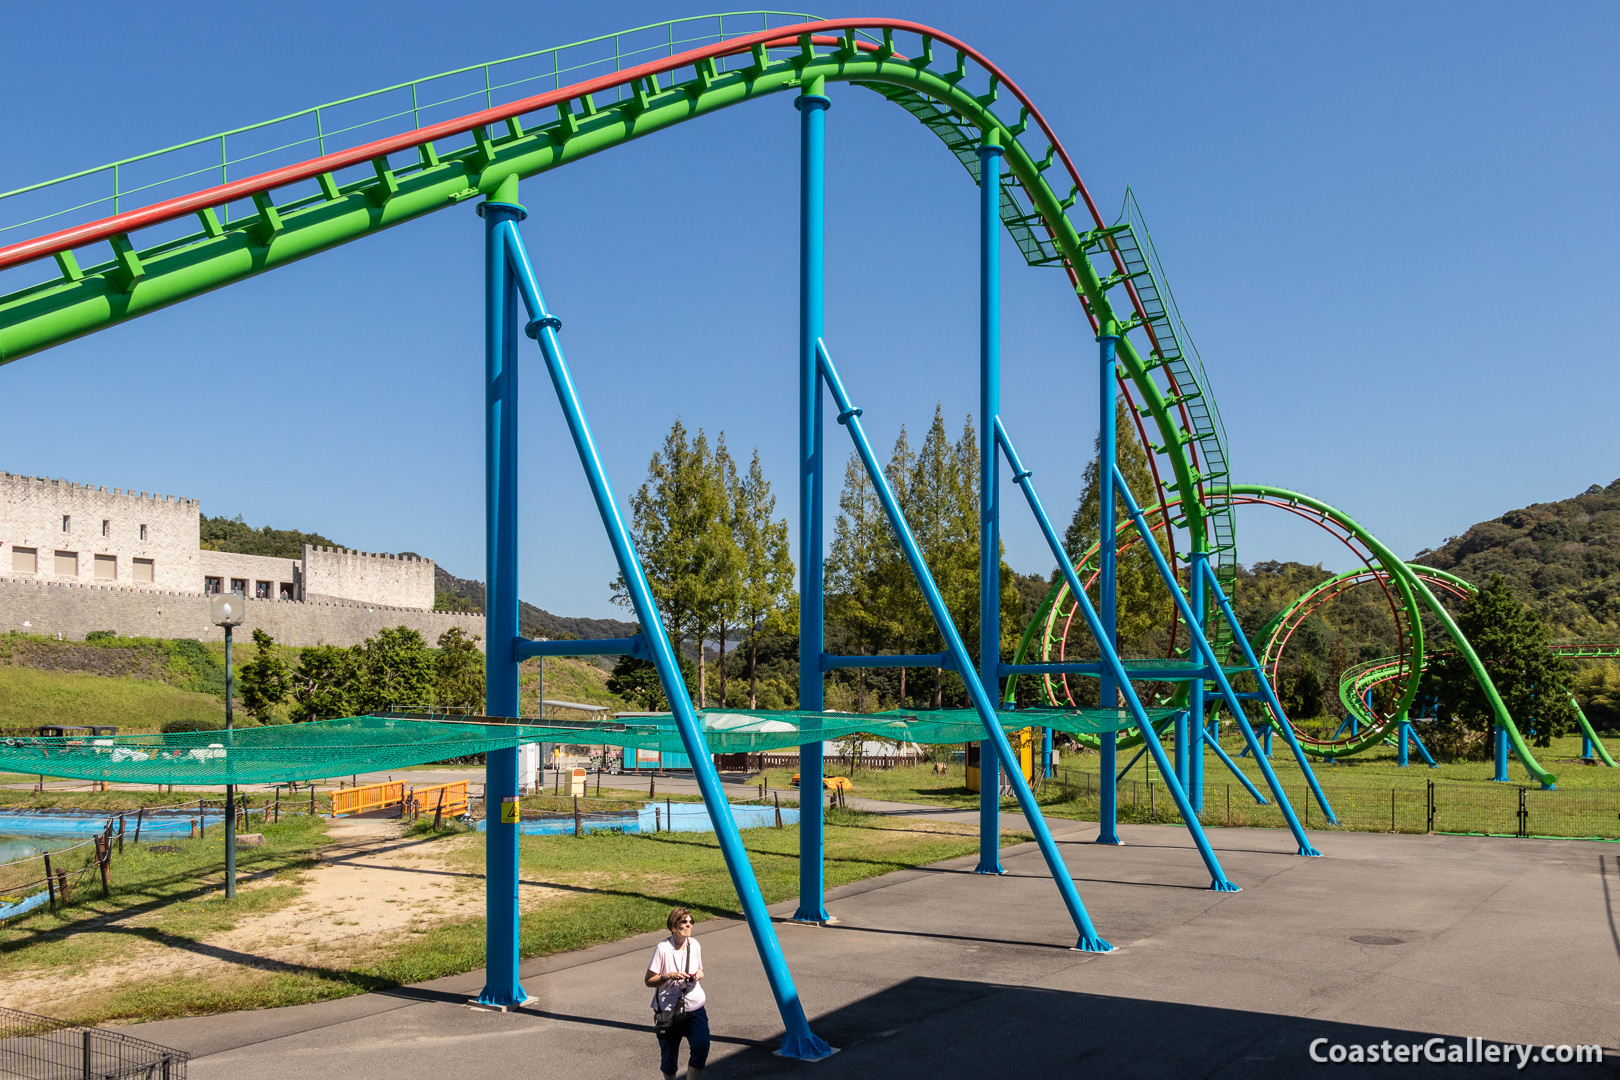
{"x":667,"y":958}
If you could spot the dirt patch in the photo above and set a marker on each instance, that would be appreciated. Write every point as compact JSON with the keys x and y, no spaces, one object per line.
{"x":369,"y":885}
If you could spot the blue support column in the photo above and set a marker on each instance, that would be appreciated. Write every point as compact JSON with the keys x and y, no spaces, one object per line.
{"x":1195,"y":706}
{"x":1403,"y":730}
{"x":990,"y":494}
{"x":501,"y":986}
{"x":1107,"y":581}
{"x":1501,"y":754}
{"x":812,"y":106}
{"x":799,"y":1041}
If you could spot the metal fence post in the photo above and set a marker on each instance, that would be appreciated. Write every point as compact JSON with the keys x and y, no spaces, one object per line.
{"x":1430,"y":807}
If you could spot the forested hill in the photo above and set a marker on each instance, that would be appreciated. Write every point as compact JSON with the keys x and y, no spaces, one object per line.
{"x":464,"y":594}
{"x":1563,"y":558}
{"x":234,"y":534}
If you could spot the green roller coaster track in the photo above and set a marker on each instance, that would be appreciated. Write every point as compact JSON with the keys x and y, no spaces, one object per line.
{"x":317,"y":186}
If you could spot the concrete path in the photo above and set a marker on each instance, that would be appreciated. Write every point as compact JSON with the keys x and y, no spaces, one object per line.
{"x":940,"y":972}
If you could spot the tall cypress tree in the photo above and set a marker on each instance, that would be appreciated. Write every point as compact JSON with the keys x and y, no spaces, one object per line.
{"x":767,"y":566}
{"x":1144,"y":602}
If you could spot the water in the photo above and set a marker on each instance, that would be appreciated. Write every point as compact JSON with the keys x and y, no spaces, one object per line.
{"x":13,"y":848}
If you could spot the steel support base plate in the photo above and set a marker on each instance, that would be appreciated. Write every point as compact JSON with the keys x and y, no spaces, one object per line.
{"x":474,"y":1003}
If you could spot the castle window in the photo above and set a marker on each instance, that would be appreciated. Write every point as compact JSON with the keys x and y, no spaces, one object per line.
{"x":262,"y":590}
{"x":239,"y":586}
{"x":287,"y":590}
{"x":143,"y":532}
{"x":142,"y":570}
{"x":212,"y":585}
{"x":67,"y":523}
{"x":67,"y":563}
{"x":106,"y":527}
{"x":24,"y":560}
{"x":106,"y":567}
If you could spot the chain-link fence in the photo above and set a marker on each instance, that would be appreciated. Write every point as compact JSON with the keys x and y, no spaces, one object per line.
{"x":1435,"y":806}
{"x":44,"y":1048}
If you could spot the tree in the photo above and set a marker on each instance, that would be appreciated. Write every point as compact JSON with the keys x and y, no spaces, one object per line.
{"x":323,"y":684}
{"x":458,"y":671}
{"x":766,"y":580}
{"x":1511,"y":642}
{"x":860,"y":570}
{"x":1144,"y":605}
{"x":725,"y":607}
{"x":393,"y":668}
{"x":682,"y":536}
{"x":264,"y":680}
{"x":636,"y":681}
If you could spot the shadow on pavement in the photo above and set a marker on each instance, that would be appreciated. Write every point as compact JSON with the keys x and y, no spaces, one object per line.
{"x":926,"y":1028}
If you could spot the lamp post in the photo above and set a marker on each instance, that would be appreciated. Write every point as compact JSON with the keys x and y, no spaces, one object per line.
{"x":229,"y":609}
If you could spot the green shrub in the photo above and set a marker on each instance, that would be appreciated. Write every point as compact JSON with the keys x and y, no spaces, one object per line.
{"x":101,"y":635}
{"x":192,"y":724}
{"x":193,"y":666}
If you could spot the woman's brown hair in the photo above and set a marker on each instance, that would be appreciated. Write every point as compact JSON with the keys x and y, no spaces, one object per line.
{"x":676,"y":916}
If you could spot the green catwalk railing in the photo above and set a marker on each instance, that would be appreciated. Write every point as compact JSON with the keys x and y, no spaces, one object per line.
{"x":165,"y":251}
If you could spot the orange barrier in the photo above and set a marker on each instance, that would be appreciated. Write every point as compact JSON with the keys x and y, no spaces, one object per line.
{"x":357,"y":800}
{"x":425,"y":800}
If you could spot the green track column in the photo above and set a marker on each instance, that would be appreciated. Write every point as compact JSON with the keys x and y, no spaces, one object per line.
{"x":990,"y":493}
{"x":501,"y":986}
{"x":812,"y":105}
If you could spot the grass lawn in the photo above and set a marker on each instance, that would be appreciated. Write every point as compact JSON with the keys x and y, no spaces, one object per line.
{"x":593,"y":889}
{"x":1360,"y":789}
{"x":30,"y":697}
{"x":626,"y":884}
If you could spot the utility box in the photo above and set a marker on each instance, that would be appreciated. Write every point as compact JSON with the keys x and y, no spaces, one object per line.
{"x":1023,"y":744}
{"x":529,"y":776}
{"x":576,"y":783}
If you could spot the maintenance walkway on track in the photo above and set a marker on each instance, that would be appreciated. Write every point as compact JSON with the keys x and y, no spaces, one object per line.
{"x":1197,"y":990}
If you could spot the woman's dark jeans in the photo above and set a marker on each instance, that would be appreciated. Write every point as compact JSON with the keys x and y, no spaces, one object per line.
{"x":694,"y":1027}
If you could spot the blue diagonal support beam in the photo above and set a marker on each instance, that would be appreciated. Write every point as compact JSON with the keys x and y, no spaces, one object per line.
{"x":799,"y":1041}
{"x":850,"y":417}
{"x":1112,"y":664}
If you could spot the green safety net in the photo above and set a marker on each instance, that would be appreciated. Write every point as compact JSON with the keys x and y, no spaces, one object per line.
{"x":368,"y":744}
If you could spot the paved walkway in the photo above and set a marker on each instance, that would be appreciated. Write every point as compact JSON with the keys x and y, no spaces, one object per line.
{"x":940,"y":972}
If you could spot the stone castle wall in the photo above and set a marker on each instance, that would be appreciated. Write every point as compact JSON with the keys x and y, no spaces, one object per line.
{"x":395,"y":580}
{"x":52,"y":530}
{"x":281,"y":575}
{"x":73,"y":610}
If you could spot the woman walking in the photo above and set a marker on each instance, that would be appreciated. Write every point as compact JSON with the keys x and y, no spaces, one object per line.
{"x":676,"y":975}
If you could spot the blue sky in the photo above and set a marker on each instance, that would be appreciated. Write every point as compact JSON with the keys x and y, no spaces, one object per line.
{"x":1391,"y":229}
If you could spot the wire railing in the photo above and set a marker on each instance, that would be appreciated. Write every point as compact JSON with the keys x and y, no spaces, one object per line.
{"x":338,"y":125}
{"x":1435,"y":806}
{"x":44,"y":1048}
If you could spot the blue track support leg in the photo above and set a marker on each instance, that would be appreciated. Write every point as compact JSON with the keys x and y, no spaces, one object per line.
{"x":1046,"y":752}
{"x":1279,"y":718}
{"x":1111,"y":662}
{"x":1215,"y":745}
{"x":850,"y":417}
{"x":1405,"y":729}
{"x":1501,"y":755}
{"x":990,"y":495}
{"x":1195,"y":714}
{"x":1107,"y":583}
{"x":798,"y":1042}
{"x":813,"y":106}
{"x":1424,"y":750}
{"x":1183,"y":754}
{"x":1586,"y":747}
{"x":501,"y":986}
{"x":1207,"y":653}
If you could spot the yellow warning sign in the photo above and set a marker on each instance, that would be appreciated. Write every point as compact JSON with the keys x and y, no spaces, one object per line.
{"x":509,"y":810}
